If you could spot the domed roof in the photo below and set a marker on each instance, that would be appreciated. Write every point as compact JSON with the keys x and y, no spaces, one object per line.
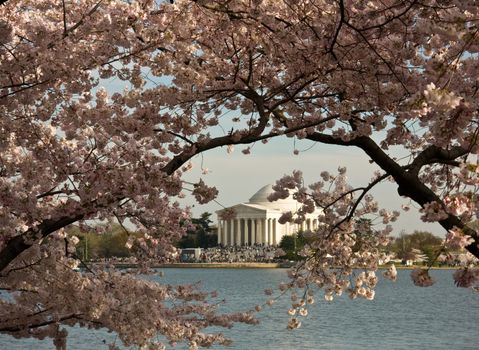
{"x":261,"y":198}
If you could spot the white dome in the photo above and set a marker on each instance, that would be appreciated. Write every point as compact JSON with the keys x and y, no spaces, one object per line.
{"x":261,"y":198}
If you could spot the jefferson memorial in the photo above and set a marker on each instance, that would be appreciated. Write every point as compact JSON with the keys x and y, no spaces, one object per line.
{"x":256,"y":221}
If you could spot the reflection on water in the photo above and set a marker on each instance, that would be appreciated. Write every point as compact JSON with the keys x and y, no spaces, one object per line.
{"x":401,"y":317}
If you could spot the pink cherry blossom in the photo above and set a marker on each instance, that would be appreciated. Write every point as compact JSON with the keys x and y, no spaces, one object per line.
{"x":203,"y":193}
{"x":456,"y":239}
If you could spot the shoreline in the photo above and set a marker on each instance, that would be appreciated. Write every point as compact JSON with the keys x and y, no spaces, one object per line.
{"x":225,"y":265}
{"x":212,"y":265}
{"x":260,"y":265}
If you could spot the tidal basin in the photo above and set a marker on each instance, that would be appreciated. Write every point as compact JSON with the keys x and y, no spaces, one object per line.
{"x":401,"y":316}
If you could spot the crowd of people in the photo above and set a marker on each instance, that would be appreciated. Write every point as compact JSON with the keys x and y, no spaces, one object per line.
{"x":230,"y":254}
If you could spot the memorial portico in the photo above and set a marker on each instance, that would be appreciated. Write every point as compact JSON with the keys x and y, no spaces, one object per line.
{"x":256,"y":221}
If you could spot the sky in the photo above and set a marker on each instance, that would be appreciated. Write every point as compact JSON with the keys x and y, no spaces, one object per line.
{"x":237,"y":176}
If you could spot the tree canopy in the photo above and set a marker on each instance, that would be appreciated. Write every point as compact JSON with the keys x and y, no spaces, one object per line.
{"x":426,"y":243}
{"x":291,"y":245}
{"x":202,"y":74}
{"x":200,"y":235}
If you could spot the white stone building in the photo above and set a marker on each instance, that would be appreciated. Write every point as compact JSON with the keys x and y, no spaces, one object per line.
{"x":257,"y":221}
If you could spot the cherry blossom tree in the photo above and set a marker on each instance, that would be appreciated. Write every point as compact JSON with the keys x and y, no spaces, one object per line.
{"x":198,"y":75}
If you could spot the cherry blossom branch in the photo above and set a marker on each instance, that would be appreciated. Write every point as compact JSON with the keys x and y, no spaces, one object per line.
{"x":83,"y":263}
{"x":250,"y":137}
{"x":65,"y":29}
{"x":121,"y":223}
{"x":392,"y":18}
{"x":410,"y":186}
{"x":176,"y":135}
{"x":408,"y":182}
{"x":356,"y":203}
{"x":25,"y":266}
{"x":53,"y":193}
{"x":39,"y":324}
{"x":82,"y":19}
{"x":342,"y":19}
{"x":434,"y":154}
{"x":27,"y":87}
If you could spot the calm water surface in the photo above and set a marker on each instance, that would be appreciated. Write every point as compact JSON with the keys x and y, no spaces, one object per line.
{"x":401,"y":317}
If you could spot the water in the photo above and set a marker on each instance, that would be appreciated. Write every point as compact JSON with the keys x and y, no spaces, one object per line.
{"x":401,"y":317}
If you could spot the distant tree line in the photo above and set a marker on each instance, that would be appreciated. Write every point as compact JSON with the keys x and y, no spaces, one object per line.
{"x":407,"y":246}
{"x":404,"y":247}
{"x":94,"y":246}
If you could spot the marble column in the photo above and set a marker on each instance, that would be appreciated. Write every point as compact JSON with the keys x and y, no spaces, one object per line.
{"x":237,"y":232}
{"x":275,"y":243}
{"x":219,"y":233}
{"x":265,"y":230}
{"x":268,"y":232}
{"x":231,"y":232}
{"x":260,"y":231}
{"x":264,"y":227}
{"x":246,"y":232}
{"x":253,"y":231}
{"x":225,"y":232}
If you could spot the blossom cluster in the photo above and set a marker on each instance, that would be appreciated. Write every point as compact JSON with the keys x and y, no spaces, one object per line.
{"x":343,"y":254}
{"x":203,"y":193}
{"x":433,"y":212}
{"x":456,"y":240}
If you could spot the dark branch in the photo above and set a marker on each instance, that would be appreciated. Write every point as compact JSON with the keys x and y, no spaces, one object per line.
{"x":342,"y":20}
{"x":409,"y":185}
{"x":433,"y":155}
{"x":38,"y":324}
{"x":18,"y":244}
